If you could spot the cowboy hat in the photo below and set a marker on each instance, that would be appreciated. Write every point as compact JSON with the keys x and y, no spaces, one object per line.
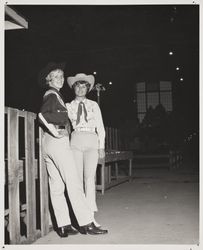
{"x":81,"y":77}
{"x":46,"y":70}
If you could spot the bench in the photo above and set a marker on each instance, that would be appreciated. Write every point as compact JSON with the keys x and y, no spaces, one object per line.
{"x":108,"y":180}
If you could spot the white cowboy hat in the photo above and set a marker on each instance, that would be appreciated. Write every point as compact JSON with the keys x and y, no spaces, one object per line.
{"x":81,"y":77}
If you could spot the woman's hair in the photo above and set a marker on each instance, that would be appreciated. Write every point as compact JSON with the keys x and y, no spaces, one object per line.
{"x":87,"y":84}
{"x":51,"y":74}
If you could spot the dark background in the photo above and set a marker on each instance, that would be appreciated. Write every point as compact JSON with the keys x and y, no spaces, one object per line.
{"x":123,"y":44}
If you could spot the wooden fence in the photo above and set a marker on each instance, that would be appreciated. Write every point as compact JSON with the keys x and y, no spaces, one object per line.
{"x":26,"y":184}
{"x":113,"y":139}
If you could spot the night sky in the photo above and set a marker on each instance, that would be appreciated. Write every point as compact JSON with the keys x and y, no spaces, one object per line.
{"x":123,"y":44}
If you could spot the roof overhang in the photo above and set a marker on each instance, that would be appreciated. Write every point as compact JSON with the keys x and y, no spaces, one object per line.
{"x":13,"y":20}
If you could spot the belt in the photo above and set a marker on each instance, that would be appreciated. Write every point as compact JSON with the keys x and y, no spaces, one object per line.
{"x":60,"y":127}
{"x":84,"y":129}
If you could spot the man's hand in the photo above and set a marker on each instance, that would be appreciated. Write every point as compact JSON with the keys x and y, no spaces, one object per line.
{"x":101,"y":152}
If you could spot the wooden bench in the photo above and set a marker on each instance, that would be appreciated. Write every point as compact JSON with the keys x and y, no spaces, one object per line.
{"x":107,"y":180}
{"x":170,"y":160}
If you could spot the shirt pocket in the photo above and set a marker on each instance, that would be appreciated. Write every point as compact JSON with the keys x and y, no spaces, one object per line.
{"x":73,"y":113}
{"x":90,"y":113}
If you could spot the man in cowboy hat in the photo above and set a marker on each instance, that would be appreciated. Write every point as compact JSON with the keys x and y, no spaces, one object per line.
{"x":87,"y":139}
{"x":59,"y":157}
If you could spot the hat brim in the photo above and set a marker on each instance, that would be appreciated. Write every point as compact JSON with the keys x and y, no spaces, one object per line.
{"x":87,"y":78}
{"x":46,"y":70}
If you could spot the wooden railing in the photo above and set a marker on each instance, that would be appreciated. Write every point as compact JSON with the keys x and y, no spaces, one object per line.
{"x":113,"y":139}
{"x":116,"y":154}
{"x":26,"y":185}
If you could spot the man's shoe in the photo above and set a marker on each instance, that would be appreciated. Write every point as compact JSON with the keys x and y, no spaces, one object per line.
{"x":70,"y":230}
{"x":61,"y":231}
{"x":92,"y":229}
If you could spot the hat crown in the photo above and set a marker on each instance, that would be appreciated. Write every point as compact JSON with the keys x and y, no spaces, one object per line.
{"x":80,"y":75}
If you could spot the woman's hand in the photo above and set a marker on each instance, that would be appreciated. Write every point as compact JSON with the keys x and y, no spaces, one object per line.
{"x":62,"y":133}
{"x":101,"y":152}
{"x":58,"y":136}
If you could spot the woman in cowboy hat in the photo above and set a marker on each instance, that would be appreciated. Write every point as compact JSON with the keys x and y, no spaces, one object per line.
{"x":87,"y":139}
{"x":59,"y":158}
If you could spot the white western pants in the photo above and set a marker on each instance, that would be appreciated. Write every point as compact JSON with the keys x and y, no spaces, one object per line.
{"x":85,"y":150}
{"x":62,"y":171}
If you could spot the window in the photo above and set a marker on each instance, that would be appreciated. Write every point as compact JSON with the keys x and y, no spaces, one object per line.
{"x":151,"y":94}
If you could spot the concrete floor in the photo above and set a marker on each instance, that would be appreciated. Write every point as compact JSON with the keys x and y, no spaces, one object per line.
{"x":158,"y":207}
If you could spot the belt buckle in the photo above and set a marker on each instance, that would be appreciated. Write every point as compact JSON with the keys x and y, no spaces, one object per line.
{"x":85,"y":129}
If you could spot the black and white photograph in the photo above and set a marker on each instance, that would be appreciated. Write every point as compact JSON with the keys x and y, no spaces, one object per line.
{"x":101,"y":124}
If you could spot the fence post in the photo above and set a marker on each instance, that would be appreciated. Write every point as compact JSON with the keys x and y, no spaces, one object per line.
{"x":110,"y":138}
{"x":111,"y":132}
{"x":119,"y":139}
{"x":116,"y":138}
{"x":107,"y":138}
{"x":44,"y":202}
{"x":13,"y":180}
{"x":116,"y":170}
{"x":30,"y":176}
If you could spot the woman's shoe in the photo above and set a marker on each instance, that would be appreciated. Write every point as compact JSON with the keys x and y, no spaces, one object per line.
{"x":70,"y":230}
{"x":92,"y":229}
{"x":66,"y":230}
{"x":61,"y":231}
{"x":96,"y":223}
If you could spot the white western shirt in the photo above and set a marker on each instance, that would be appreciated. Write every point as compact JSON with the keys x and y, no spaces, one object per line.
{"x":94,"y":118}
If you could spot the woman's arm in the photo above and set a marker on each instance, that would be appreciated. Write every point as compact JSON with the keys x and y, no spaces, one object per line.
{"x":49,"y":126}
{"x":53,"y":111}
{"x":100,"y":130}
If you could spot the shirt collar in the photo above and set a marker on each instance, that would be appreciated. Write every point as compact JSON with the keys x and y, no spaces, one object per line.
{"x":56,"y":90}
{"x":84,"y":101}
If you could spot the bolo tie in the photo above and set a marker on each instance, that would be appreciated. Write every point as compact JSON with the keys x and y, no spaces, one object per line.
{"x":79,"y":113}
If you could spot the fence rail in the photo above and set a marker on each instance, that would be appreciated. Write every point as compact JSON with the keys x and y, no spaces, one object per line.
{"x":26,"y":186}
{"x":113,"y":139}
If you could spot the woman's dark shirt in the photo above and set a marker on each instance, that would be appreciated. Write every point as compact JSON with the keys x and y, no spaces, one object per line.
{"x":53,"y":111}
